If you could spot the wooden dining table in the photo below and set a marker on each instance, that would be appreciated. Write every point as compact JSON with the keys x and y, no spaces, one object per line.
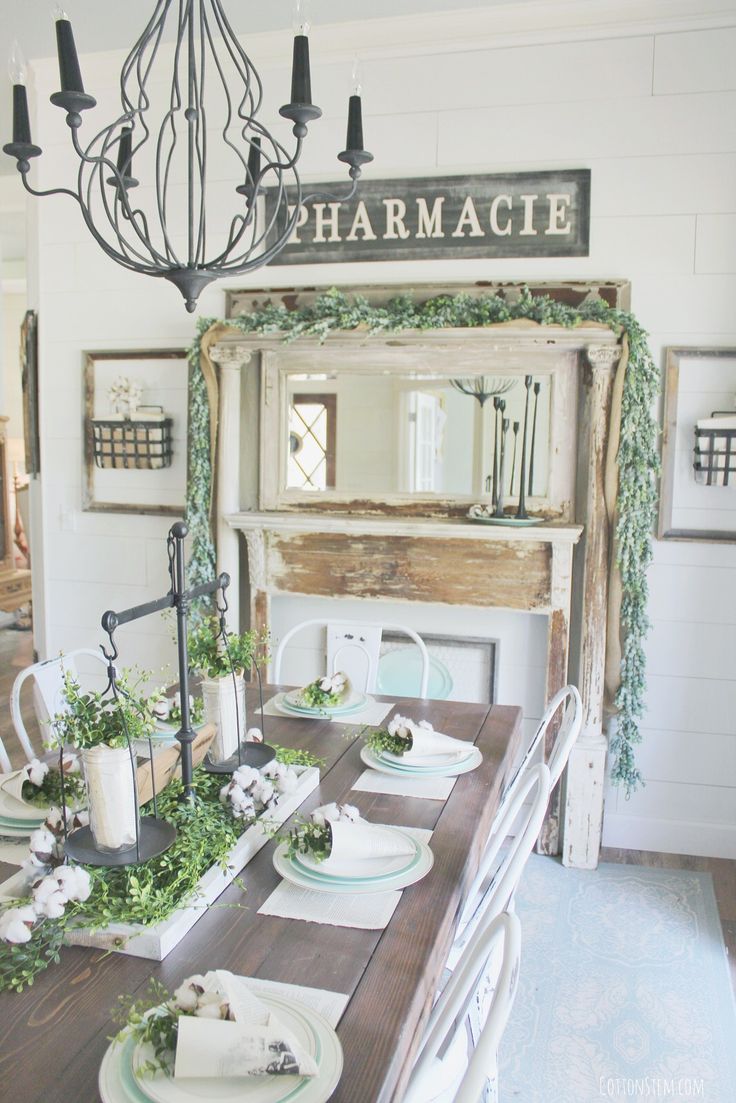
{"x":54,"y":1034}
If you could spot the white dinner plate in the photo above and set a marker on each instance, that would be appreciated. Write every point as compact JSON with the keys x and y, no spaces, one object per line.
{"x":293,"y":701}
{"x":418,"y":867}
{"x":375,"y":762}
{"x":19,"y":813}
{"x":119,"y":1083}
{"x":13,"y":832}
{"x":427,"y":761}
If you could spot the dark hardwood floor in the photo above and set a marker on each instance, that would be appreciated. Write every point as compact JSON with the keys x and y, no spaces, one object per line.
{"x":16,"y":652}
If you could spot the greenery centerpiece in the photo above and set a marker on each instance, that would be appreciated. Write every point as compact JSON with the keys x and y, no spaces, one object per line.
{"x":103,"y":728}
{"x":221,"y":660}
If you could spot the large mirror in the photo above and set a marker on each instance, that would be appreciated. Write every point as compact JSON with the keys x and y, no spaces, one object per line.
{"x":383,"y":434}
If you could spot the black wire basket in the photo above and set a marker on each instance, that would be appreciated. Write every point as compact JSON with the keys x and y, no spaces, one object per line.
{"x":132,"y":443}
{"x":715,"y":457}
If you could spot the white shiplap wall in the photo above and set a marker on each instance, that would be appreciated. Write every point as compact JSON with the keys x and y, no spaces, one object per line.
{"x":645,"y":95}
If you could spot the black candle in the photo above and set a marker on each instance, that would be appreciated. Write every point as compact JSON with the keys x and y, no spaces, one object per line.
{"x":355,"y":124}
{"x":301,"y":82}
{"x":254,"y":162}
{"x":21,"y":121}
{"x":125,"y":152}
{"x":71,"y":76}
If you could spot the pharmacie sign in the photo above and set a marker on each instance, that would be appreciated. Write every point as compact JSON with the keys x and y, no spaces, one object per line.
{"x":525,"y":214}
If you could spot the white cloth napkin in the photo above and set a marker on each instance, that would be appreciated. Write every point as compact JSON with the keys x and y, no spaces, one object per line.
{"x":14,"y":851}
{"x":354,"y":842}
{"x":428,"y":744}
{"x":430,"y":788}
{"x":374,"y":713}
{"x":255,"y":1044}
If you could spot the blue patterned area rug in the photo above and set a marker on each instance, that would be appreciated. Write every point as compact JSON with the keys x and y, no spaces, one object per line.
{"x":624,"y":990}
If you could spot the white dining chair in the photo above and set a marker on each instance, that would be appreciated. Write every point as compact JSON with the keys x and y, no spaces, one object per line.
{"x":457,"y":1077}
{"x":569,"y":700}
{"x":501,"y":866}
{"x":354,"y":648}
{"x":48,"y":696}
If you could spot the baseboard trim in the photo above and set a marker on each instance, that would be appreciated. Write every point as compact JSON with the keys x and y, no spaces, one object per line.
{"x":705,"y":840}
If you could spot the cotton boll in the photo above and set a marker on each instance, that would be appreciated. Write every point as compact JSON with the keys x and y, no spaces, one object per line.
{"x":225,"y":793}
{"x":79,"y":819}
{"x":45,"y":889}
{"x":36,"y":772}
{"x":55,"y":821}
{"x":349,"y":813}
{"x":237,"y":795}
{"x":263,"y":791}
{"x":326,"y":684}
{"x":161,"y":709}
{"x":74,"y":881}
{"x":53,"y":908}
{"x":16,"y":924}
{"x":70,"y":764}
{"x":42,"y":843}
{"x":287,"y":783}
{"x":274,"y":769}
{"x":186,"y":996}
{"x":254,"y":735}
{"x":246,"y":776}
{"x":325,"y":812}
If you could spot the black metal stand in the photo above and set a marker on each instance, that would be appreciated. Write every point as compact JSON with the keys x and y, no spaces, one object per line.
{"x":180,"y":599}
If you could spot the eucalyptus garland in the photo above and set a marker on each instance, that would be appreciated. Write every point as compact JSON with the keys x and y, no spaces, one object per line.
{"x":638,"y":460}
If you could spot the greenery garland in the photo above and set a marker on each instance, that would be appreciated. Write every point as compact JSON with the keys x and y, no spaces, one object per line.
{"x":638,"y":460}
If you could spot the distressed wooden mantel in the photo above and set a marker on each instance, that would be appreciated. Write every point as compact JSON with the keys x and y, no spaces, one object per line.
{"x":365,"y":550}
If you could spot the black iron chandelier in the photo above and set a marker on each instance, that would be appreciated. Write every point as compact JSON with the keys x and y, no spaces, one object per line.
{"x":162,"y":143}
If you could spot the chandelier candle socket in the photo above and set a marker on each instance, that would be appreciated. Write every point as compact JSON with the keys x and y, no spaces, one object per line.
{"x":169,"y":135}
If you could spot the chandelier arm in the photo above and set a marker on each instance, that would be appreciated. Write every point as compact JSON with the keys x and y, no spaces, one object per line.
{"x":228,"y":121}
{"x":333,"y":195}
{"x":241,"y":61}
{"x":162,"y":188}
{"x":49,"y":191}
{"x":134,"y":58}
{"x":201,"y":139}
{"x":236,"y":267}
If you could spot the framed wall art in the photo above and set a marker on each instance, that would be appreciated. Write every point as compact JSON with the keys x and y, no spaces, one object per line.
{"x":698,"y":484}
{"x":135,"y":431}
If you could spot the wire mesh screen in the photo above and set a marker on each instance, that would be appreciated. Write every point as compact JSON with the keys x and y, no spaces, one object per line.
{"x":145,"y":444}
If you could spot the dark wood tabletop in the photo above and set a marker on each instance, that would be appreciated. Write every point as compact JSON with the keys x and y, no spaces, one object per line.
{"x":53,"y":1035}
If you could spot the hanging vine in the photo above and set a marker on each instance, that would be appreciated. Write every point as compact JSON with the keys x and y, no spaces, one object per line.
{"x":638,"y":460}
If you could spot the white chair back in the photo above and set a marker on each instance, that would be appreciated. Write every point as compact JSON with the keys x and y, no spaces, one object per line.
{"x":354,"y":648}
{"x":570,"y":724}
{"x":431,"y":1079}
{"x":48,"y":696}
{"x":499,"y":872}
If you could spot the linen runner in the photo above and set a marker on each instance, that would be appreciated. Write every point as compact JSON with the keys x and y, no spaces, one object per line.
{"x":431,"y":788}
{"x":329,"y":1004}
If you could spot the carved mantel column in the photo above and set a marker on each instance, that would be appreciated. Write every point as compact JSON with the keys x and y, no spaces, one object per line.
{"x":583,"y":819}
{"x":230,"y":360}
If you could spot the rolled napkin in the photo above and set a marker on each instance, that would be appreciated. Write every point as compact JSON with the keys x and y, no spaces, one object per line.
{"x":226,"y":1030}
{"x":326,"y":692}
{"x":422,"y":741}
{"x":43,"y":785}
{"x":356,"y":842}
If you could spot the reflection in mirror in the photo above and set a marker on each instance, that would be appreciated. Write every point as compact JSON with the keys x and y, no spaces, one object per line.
{"x":372,"y":434}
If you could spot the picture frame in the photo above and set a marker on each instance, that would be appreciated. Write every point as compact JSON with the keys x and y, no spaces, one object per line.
{"x":698,"y":381}
{"x":29,"y":385}
{"x":123,"y":478}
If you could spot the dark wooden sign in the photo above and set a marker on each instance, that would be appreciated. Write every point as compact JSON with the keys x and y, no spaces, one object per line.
{"x":521,"y":214}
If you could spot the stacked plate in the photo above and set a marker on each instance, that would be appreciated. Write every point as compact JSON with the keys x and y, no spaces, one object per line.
{"x":291,"y":704}
{"x":17,"y":818}
{"x":119,"y":1082}
{"x":434,"y":765}
{"x":365,"y":875}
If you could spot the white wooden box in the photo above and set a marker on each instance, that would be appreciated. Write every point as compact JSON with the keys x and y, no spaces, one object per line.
{"x":158,"y":941}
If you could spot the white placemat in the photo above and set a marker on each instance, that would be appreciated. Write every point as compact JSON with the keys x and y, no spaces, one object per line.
{"x":431,"y":788}
{"x":374,"y":713}
{"x":14,"y":851}
{"x":329,"y":1004}
{"x":370,"y":912}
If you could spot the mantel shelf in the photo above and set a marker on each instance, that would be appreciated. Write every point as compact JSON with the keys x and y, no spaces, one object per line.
{"x":450,"y":529}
